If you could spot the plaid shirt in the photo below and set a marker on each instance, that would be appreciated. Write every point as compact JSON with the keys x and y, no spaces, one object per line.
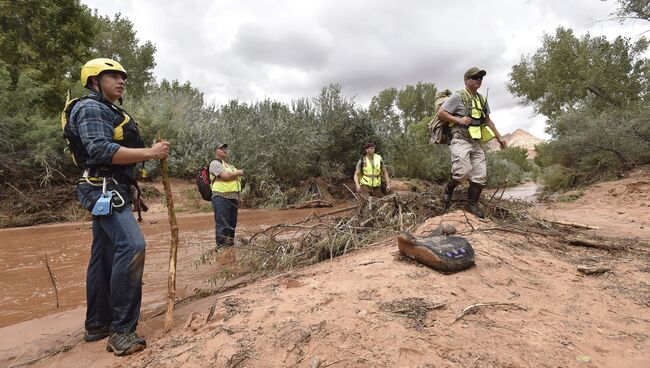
{"x":94,"y":122}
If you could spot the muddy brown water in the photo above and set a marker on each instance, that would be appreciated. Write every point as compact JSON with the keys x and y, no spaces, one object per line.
{"x":27,"y":287}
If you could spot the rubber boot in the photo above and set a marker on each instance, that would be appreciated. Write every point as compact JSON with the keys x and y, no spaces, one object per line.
{"x":473,"y":195}
{"x":448,"y":192}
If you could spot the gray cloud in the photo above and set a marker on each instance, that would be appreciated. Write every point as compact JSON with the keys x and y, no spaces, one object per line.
{"x":288,"y":49}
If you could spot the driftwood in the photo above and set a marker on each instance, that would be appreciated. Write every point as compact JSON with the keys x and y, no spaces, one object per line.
{"x":56,"y":291}
{"x":589,"y":270}
{"x":171,"y":281}
{"x":575,"y":224}
{"x":602,"y":244}
{"x":474,"y":308}
{"x":313,"y":204}
{"x":337,"y":211}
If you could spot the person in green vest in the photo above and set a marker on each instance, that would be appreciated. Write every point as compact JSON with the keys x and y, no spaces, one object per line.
{"x":226,"y":196}
{"x":369,"y":172}
{"x":468,"y":115}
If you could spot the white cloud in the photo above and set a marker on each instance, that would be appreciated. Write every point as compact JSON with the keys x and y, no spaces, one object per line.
{"x":288,"y":49}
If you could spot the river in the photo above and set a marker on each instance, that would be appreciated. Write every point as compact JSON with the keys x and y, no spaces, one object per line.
{"x":27,"y":290}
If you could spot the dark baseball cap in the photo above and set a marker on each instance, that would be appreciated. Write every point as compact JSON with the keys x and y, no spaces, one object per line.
{"x":368,"y":145}
{"x":220,"y":145}
{"x":474,"y":71}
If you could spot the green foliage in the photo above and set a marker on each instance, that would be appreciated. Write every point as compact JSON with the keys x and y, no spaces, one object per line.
{"x":342,"y":128}
{"x":502,"y":171}
{"x":416,"y":102}
{"x":571,"y":73}
{"x":43,"y":45}
{"x":516,"y":155}
{"x":557,"y":178}
{"x":413,"y":157}
{"x":394,"y":111}
{"x":595,"y":94}
{"x":45,"y":40}
{"x":167,"y":109}
{"x":598,"y":142}
{"x":637,"y":9}
{"x":116,"y":39}
{"x":382,"y":113}
{"x":570,"y":197}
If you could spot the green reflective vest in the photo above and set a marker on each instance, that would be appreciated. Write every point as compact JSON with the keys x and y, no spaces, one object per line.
{"x":475,"y":110}
{"x":226,"y":186}
{"x":371,"y":171}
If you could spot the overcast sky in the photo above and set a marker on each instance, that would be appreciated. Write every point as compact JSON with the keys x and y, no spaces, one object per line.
{"x":282,"y":50}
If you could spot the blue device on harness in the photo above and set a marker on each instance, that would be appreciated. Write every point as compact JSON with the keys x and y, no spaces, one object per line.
{"x":105,"y":203}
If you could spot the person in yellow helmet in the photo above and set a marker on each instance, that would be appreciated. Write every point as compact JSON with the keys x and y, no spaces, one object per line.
{"x":106,"y":146}
{"x":369,"y":171}
{"x":226,"y":196}
{"x":468,"y":114}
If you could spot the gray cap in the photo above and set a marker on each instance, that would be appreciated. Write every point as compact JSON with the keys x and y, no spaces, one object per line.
{"x":474,"y":71}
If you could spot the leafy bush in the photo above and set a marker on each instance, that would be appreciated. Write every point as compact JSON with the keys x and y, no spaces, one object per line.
{"x":556,"y":177}
{"x":607,"y":141}
{"x":516,"y":155}
{"x":503,"y":171}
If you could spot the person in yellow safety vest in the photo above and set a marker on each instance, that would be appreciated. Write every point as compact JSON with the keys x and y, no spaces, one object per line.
{"x":468,"y":115}
{"x":370,"y":168}
{"x":226,"y":196}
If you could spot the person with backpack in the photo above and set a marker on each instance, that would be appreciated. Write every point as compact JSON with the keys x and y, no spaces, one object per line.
{"x":106,"y":145}
{"x":468,"y":115}
{"x":226,"y":196}
{"x":368,"y":173}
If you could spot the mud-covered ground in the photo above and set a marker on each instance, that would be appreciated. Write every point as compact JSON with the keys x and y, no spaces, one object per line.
{"x":526,"y":303}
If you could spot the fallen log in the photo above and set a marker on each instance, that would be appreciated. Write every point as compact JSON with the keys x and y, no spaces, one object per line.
{"x":575,"y":224}
{"x":593,"y":270}
{"x":312,"y":204}
{"x":602,"y":244}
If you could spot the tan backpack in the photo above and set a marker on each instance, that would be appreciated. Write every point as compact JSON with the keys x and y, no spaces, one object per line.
{"x":440,"y":131}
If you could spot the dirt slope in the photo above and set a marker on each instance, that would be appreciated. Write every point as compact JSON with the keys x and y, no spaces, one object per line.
{"x":373,"y":308}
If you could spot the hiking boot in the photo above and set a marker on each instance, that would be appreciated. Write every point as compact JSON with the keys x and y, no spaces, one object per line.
{"x":125,"y":343}
{"x":96,"y":334}
{"x":473,"y":195}
{"x":448,"y":192}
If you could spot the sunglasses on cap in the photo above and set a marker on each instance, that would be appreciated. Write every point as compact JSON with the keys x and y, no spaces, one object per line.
{"x":476,"y":77}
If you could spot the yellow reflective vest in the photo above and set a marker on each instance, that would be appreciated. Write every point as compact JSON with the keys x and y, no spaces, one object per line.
{"x":371,"y":170}
{"x":226,"y":186}
{"x":482,"y":132}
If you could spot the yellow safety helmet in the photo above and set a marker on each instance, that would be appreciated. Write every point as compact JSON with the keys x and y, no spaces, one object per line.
{"x":95,"y":67}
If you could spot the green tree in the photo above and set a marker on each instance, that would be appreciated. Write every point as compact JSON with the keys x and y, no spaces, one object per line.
{"x":569,"y":72}
{"x":167,"y":109}
{"x":604,"y":141}
{"x":116,"y":39}
{"x":416,"y":102}
{"x":342,"y":127}
{"x":393,"y":111}
{"x":383,"y":112}
{"x":636,"y":9}
{"x":45,"y":40}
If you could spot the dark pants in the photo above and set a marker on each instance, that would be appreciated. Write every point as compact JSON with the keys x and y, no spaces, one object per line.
{"x":114,"y":277}
{"x":372,"y":191}
{"x":225,"y":219}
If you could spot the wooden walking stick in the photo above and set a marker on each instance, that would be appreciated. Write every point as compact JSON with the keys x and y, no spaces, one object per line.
{"x":171,"y":281}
